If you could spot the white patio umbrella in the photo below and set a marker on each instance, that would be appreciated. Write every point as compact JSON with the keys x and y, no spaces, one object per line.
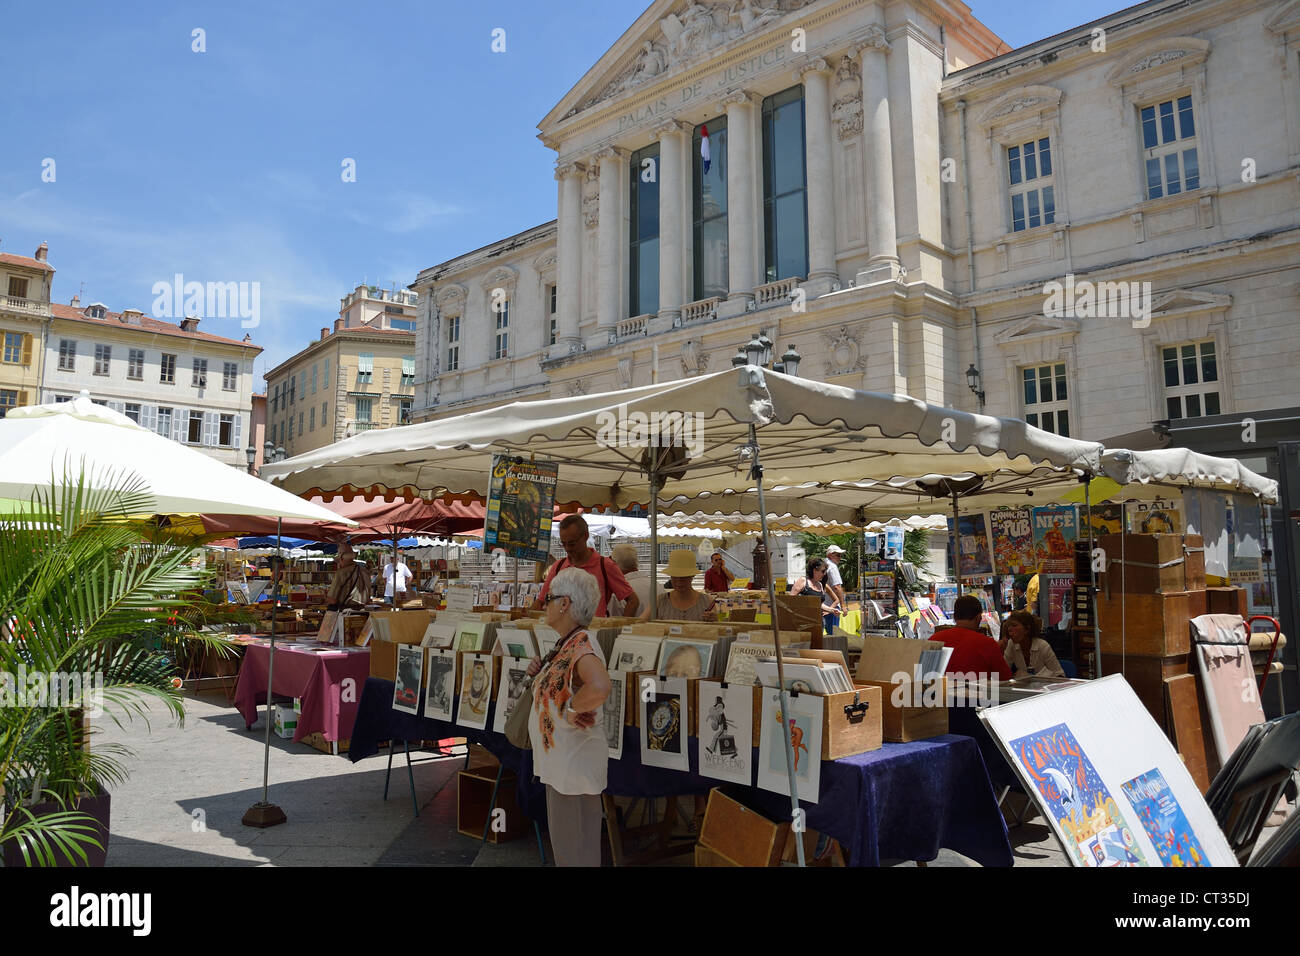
{"x":41,"y":445}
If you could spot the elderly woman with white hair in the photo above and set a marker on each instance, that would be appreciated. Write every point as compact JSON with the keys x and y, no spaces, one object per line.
{"x":570,"y":754}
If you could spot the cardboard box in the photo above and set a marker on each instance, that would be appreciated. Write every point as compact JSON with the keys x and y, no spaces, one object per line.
{"x":406,"y":627}
{"x":285,"y":721}
{"x":742,"y":836}
{"x":1153,"y":625}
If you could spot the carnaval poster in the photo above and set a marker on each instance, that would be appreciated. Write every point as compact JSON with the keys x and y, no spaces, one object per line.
{"x":1013,"y":541}
{"x":1093,"y":829}
{"x":519,"y":508}
{"x":1163,"y":819}
{"x":1055,"y":529}
{"x":973,"y":543}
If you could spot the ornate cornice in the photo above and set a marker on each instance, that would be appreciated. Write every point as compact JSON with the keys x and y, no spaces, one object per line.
{"x":873,"y":38}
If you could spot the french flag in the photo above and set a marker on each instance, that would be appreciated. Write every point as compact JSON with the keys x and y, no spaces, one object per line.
{"x":704,"y":148}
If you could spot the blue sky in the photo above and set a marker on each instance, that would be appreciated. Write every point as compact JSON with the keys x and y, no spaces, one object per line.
{"x":225,"y":165}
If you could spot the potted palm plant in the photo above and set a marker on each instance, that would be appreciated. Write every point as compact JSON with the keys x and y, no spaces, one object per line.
{"x":80,"y":591}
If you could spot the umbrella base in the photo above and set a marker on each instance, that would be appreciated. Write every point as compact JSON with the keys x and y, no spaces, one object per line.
{"x":263,"y":815}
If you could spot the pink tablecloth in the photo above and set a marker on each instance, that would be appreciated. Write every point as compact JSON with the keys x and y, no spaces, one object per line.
{"x":329,"y":684}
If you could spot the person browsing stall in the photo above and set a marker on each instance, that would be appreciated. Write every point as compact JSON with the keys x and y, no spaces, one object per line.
{"x":625,"y":557}
{"x":835,"y":583}
{"x":682,"y":602}
{"x":717,"y":578}
{"x":396,"y":577}
{"x":609,"y":579}
{"x":351,"y":584}
{"x":570,"y":753}
{"x":973,"y":652}
{"x":815,"y":583}
{"x":1025,"y":651}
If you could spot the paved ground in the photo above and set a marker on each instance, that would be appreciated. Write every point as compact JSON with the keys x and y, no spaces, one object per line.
{"x":189,"y":788}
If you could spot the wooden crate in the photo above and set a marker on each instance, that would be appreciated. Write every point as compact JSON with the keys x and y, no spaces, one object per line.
{"x":317,"y":741}
{"x":741,"y":835}
{"x":473,"y":793}
{"x":1151,"y":563}
{"x":1197,"y":603}
{"x":904,"y":723}
{"x":1227,"y":601}
{"x":852,"y":731}
{"x":1186,"y":733}
{"x":1154,"y":625}
{"x":704,"y":856}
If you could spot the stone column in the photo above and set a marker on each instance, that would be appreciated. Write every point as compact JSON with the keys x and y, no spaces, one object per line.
{"x":741,"y":275}
{"x":568,"y":259}
{"x":882,"y":228}
{"x":610,"y":241}
{"x":821,"y":204}
{"x":673,"y":180}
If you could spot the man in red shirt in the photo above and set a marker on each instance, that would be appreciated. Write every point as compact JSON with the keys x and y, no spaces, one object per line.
{"x":609,"y":578}
{"x":973,"y":652}
{"x":718,"y":578}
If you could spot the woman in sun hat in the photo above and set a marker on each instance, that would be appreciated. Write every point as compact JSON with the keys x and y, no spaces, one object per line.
{"x":682,"y":602}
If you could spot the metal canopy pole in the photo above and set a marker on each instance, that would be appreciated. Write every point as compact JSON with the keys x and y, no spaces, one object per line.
{"x":1092,"y":574}
{"x":956,"y":539}
{"x":756,"y":474}
{"x":264,"y":813}
{"x":654,"y":530}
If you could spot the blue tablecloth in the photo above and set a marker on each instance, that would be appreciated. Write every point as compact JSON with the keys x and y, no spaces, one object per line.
{"x":901,"y":802}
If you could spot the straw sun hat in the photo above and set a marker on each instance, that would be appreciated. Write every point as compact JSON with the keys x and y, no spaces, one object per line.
{"x":681,"y":564}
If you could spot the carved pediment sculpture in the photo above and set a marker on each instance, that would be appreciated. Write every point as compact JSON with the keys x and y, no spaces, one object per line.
{"x":844,"y":353}
{"x":846,"y":107}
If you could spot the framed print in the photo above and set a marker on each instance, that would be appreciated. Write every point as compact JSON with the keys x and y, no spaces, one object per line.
{"x":513,"y":674}
{"x":440,"y":686}
{"x":802,"y":722}
{"x":663,"y":726}
{"x":410,"y":668}
{"x":680,"y":657}
{"x":726,"y":730}
{"x":635,"y":653}
{"x":612,"y":715}
{"x":475,"y":691}
{"x":439,"y":635}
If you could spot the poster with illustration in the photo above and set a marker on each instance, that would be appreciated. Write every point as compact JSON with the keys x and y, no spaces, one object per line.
{"x":518,"y":515}
{"x":514,"y":671}
{"x":1106,"y":519}
{"x":802,"y":721}
{"x":663,"y":725}
{"x":1076,"y":797}
{"x":973,"y":543}
{"x":726,"y":732}
{"x":410,"y":670}
{"x":1163,"y":819}
{"x":1060,"y":590}
{"x":1013,"y":541}
{"x":1055,"y":529}
{"x":894,"y":544}
{"x":475,"y":690}
{"x":611,"y":714}
{"x":1162,"y":516}
{"x":440,"y":688}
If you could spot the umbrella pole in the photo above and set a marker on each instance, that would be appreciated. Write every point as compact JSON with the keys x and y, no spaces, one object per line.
{"x":1092,"y":575}
{"x":394,"y":530}
{"x":956,"y":540}
{"x":654,"y":533}
{"x":756,"y":473}
{"x":264,"y":813}
{"x":862,"y":583}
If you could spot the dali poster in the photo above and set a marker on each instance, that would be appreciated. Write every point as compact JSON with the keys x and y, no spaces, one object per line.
{"x":1055,"y":529}
{"x":514,"y":672}
{"x":973,"y":544}
{"x":1162,"y":817}
{"x":726,"y":732}
{"x":802,"y":721}
{"x":1013,"y":541}
{"x":1091,"y":826}
{"x":663,"y":725}
{"x":475,"y":691}
{"x":521,"y":496}
{"x":1162,"y":516}
{"x":410,"y":668}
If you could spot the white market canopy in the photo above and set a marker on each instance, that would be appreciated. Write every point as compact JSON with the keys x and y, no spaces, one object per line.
{"x":711,"y":525}
{"x":804,"y":428}
{"x":41,"y":444}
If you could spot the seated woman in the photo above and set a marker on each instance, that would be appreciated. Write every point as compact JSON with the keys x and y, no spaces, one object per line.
{"x":682,"y":602}
{"x":1026,"y":653}
{"x":815,"y":583}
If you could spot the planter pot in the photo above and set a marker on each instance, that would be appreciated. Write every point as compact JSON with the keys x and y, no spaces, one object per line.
{"x":96,"y":806}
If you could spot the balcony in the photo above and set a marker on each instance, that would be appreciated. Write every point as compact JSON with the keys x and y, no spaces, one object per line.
{"x":356,"y":428}
{"x":16,"y":304}
{"x":702,"y":310}
{"x":630,"y":328}
{"x":775,"y":293}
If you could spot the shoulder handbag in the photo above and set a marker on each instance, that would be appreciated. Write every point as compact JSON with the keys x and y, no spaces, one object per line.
{"x":517,"y":722}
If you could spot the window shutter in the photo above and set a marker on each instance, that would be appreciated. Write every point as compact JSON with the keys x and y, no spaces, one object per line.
{"x":234,"y":441}
{"x":149,"y":417}
{"x":22,"y":396}
{"x":180,"y":423}
{"x":119,"y":407}
{"x":408,"y":365}
{"x":210,"y":425}
{"x":27,"y":350}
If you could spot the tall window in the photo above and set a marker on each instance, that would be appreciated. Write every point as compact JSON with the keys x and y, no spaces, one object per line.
{"x":9,"y":398}
{"x":325,"y":379}
{"x":17,"y":287}
{"x":313,"y":378}
{"x":1046,"y":399}
{"x":311,"y":420}
{"x":167,"y":370}
{"x":554,"y":318}
{"x":453,"y":343}
{"x":501,"y":341}
{"x":324,"y":412}
{"x":132,"y":411}
{"x":135,"y":364}
{"x":67,"y":355}
{"x":199,"y":373}
{"x":293,"y":389}
{"x":1169,"y":148}
{"x":404,"y":411}
{"x":229,"y":376}
{"x":785,"y":217}
{"x":365,"y":368}
{"x":363,"y":409}
{"x":709,"y":210}
{"x":1029,"y":175}
{"x":1191,"y":380}
{"x":643,"y":274}
{"x":164,"y":421}
{"x":194,"y":428}
{"x":408,"y":371}
{"x":226,"y":431}
{"x":103,"y":357}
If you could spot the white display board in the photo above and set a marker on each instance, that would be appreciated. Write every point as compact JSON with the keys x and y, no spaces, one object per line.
{"x":1107,"y":779}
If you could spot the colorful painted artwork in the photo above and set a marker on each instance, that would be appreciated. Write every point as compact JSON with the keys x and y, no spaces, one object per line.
{"x":1166,"y":824}
{"x":1055,"y":529}
{"x":1106,"y":519}
{"x":1093,"y":828}
{"x":802,"y":721}
{"x":1013,"y":541}
{"x":973,"y":543}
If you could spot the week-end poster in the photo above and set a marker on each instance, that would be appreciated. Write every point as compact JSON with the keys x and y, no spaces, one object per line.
{"x":1094,"y":831}
{"x":973,"y":544}
{"x":1164,"y":820}
{"x":1013,"y":541}
{"x":521,"y":497}
{"x":1055,"y":529}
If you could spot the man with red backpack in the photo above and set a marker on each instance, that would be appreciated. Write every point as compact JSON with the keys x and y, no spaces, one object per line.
{"x":609,"y":578}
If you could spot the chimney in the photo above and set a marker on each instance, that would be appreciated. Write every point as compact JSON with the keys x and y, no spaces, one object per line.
{"x":324,"y":333}
{"x":189,"y":324}
{"x":76,"y":302}
{"x":132,"y":317}
{"x":338,"y":325}
{"x":42,"y":252}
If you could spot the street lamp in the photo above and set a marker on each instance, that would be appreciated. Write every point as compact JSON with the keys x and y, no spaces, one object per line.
{"x":789,"y":363}
{"x":739,"y":360}
{"x":754,"y":351}
{"x":973,"y":383}
{"x":251,"y":454}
